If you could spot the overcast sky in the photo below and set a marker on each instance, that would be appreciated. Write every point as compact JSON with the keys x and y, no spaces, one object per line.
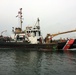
{"x":55,"y":15}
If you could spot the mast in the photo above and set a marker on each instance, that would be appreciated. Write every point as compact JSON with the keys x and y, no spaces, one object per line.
{"x":20,"y":17}
{"x":37,"y":23}
{"x":38,"y":20}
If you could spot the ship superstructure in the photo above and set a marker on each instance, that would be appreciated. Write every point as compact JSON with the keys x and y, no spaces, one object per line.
{"x":34,"y":33}
{"x":31,"y":34}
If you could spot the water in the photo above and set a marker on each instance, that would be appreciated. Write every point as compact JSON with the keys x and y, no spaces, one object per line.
{"x":14,"y":62}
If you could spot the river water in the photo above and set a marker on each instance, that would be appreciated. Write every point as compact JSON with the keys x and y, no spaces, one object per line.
{"x":20,"y":62}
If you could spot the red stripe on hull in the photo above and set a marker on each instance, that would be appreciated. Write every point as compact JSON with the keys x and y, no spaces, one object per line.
{"x":68,"y":44}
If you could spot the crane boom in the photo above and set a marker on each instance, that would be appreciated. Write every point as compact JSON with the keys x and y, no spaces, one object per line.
{"x":3,"y":32}
{"x":50,"y":36}
{"x":63,"y":32}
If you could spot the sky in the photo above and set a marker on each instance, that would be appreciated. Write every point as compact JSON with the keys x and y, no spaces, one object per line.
{"x":55,"y":15}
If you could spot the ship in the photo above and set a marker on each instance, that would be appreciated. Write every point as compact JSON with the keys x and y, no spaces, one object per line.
{"x":31,"y":39}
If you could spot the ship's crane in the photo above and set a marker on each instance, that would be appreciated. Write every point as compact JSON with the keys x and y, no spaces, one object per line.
{"x":50,"y":36}
{"x":3,"y":32}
